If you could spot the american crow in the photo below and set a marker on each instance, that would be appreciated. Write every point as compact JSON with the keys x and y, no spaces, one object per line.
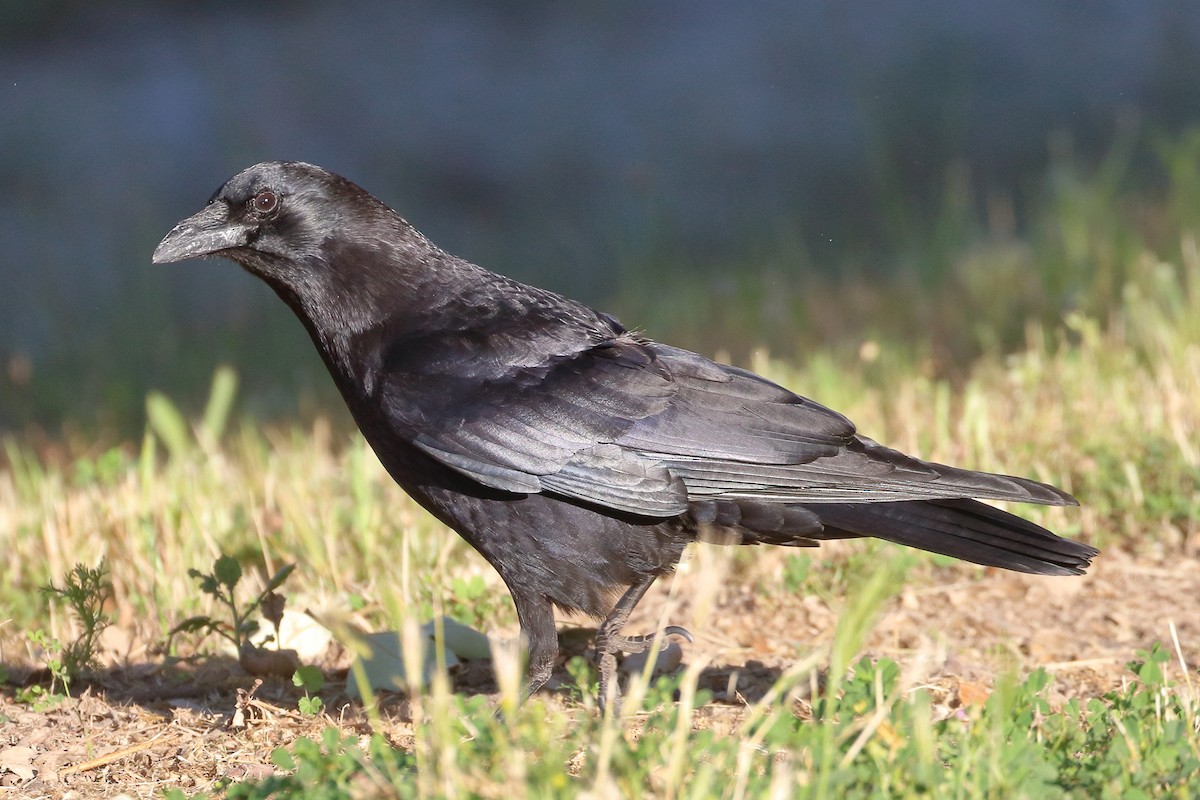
{"x":578,"y":457}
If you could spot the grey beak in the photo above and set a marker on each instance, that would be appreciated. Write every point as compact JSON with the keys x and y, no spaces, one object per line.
{"x":201,"y":234}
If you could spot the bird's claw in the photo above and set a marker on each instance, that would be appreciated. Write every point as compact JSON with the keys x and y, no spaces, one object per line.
{"x":682,"y":633}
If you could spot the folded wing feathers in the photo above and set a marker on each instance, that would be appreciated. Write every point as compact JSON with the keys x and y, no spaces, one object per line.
{"x":642,"y":427}
{"x":850,"y":477}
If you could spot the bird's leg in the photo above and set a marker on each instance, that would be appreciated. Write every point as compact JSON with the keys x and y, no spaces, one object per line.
{"x":536,"y":616}
{"x":609,"y":642}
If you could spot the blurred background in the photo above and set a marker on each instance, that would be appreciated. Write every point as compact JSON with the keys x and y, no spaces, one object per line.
{"x":780,"y":174}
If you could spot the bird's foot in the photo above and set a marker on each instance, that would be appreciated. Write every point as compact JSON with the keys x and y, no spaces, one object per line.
{"x":607,"y":647}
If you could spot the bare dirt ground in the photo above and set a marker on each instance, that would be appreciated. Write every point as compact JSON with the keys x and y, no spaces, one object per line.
{"x":141,"y":729}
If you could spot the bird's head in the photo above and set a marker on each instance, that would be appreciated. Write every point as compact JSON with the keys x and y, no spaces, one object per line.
{"x":338,"y":256}
{"x":266,"y":216}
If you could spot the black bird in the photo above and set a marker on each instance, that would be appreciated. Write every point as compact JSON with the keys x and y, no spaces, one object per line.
{"x":577,"y":456}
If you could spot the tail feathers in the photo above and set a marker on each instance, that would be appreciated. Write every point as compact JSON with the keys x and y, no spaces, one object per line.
{"x":960,"y":528}
{"x":964,"y":529}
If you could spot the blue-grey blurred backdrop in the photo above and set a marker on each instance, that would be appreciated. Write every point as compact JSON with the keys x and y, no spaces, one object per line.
{"x":570,"y":144}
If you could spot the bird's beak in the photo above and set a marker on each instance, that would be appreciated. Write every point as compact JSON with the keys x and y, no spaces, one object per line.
{"x":201,"y":234}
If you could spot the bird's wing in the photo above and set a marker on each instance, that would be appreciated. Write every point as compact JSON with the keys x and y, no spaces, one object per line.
{"x":645,"y":428}
{"x":731,"y":434}
{"x":526,"y":424}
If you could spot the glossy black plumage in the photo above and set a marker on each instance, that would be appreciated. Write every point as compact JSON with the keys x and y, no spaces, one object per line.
{"x":579,"y":458}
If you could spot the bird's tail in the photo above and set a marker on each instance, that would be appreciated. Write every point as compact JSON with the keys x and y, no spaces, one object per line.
{"x":965,"y":529}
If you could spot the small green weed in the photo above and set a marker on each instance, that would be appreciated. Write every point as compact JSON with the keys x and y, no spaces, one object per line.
{"x":312,"y":681}
{"x":85,"y":591}
{"x":221,"y":584}
{"x":39,"y":698}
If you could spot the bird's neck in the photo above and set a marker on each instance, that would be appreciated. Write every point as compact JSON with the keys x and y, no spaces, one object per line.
{"x":363,"y":289}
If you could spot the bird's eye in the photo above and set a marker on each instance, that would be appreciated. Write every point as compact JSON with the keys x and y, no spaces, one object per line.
{"x":265,"y":202}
